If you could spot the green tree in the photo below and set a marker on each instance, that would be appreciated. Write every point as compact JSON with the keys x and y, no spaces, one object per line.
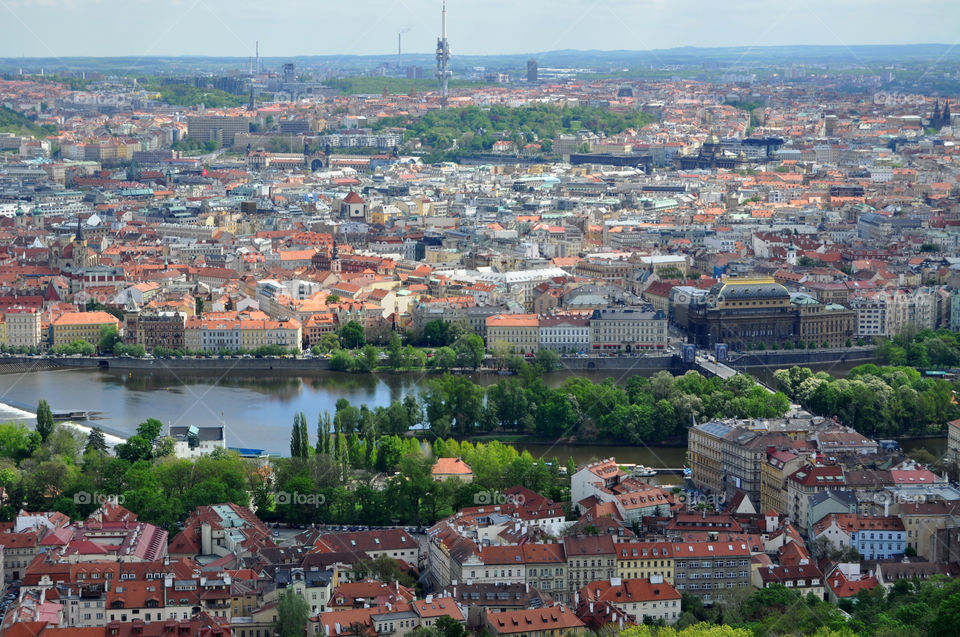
{"x":45,"y":422}
{"x":293,"y":612}
{"x":351,"y":335}
{"x":109,"y":338}
{"x":469,"y":350}
{"x":96,"y":441}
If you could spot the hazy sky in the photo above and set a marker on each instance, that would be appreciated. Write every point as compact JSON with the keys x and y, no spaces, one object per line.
{"x":60,"y":28}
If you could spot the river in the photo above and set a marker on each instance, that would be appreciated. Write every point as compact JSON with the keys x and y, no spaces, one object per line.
{"x":257,"y":409}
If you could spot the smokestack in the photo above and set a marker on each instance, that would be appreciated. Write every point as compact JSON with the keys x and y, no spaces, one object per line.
{"x":258,"y":56}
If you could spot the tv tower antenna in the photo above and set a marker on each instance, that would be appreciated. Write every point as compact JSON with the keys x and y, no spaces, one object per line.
{"x":443,"y":58}
{"x":400,"y":46}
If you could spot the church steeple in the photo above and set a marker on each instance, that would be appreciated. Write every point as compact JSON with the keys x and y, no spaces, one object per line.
{"x":78,"y":238}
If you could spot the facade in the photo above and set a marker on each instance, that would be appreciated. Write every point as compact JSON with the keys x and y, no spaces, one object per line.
{"x":711,"y":570}
{"x":563,"y":334}
{"x":160,"y":329}
{"x":743,"y":313}
{"x":513,"y":332}
{"x":589,"y":558}
{"x":233,"y":331}
{"x":81,"y":326}
{"x":875,"y":538}
{"x":23,"y":327}
{"x":192,"y":441}
{"x":807,"y":481}
{"x":645,"y":560}
{"x":216,"y":128}
{"x":627,"y":330}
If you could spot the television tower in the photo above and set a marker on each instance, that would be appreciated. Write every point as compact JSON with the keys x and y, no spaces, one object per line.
{"x":443,"y":58}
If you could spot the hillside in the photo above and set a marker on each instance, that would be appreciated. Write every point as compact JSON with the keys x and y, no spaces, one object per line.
{"x":13,"y":122}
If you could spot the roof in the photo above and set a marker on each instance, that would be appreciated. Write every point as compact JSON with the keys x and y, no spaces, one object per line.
{"x":551,"y":618}
{"x":451,"y":466}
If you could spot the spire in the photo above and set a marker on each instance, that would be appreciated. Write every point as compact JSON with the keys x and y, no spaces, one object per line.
{"x":935,"y":118}
{"x":945,"y":116}
{"x":79,"y":235}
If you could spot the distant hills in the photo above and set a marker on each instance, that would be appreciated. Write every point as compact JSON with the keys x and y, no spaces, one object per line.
{"x":734,"y":57}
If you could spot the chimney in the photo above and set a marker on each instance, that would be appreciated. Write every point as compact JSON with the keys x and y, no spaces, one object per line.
{"x":591,"y":607}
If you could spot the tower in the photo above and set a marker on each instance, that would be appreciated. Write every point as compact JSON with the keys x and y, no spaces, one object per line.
{"x":19,"y":217}
{"x":36,"y":217}
{"x":443,"y":57}
{"x":533,"y":71}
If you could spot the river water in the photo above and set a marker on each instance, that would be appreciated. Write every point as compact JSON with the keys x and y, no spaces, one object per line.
{"x":257,"y":409}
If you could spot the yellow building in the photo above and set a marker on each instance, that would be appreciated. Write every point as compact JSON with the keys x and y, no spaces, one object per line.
{"x":641,"y":560}
{"x":514,"y":332}
{"x":3,"y":331}
{"x":81,"y":326}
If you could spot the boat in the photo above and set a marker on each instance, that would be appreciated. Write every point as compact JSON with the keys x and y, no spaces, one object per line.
{"x":644,"y":472}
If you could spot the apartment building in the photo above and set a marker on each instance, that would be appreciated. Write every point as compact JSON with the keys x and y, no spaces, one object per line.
{"x":513,"y":332}
{"x":645,"y":560}
{"x":627,"y":330}
{"x":711,"y":570}
{"x":241,"y":331}
{"x":874,"y":537}
{"x":22,"y":327}
{"x":589,"y":558}
{"x":646,"y":599}
{"x":565,"y":334}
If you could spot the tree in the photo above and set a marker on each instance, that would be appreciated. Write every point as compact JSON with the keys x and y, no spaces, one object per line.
{"x":395,"y":351}
{"x":109,"y":338}
{"x":351,"y":335}
{"x":96,"y":441}
{"x":332,"y":298}
{"x":299,"y":439}
{"x":470,"y":351}
{"x":329,"y":342}
{"x":44,"y":420}
{"x":548,"y":360}
{"x":444,"y":359}
{"x":142,"y":445}
{"x":293,"y":611}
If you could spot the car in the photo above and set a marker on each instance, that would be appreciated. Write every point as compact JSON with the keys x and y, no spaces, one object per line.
{"x":276,"y":534}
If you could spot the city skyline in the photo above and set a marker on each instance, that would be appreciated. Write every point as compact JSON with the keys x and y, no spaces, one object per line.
{"x":217,"y":28}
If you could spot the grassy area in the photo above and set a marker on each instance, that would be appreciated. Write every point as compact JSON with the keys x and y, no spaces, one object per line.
{"x":13,"y":122}
{"x":182,"y":95}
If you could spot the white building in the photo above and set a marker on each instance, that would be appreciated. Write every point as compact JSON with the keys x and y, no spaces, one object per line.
{"x":191,"y":442}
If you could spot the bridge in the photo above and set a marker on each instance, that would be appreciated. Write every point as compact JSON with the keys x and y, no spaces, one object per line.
{"x":710,"y":366}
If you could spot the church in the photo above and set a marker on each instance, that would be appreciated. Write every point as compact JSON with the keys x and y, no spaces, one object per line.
{"x":73,"y":255}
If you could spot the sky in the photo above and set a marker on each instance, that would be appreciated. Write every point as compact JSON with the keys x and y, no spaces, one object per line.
{"x":66,"y":28}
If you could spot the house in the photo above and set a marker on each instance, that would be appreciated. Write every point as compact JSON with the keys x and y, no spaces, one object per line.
{"x":550,"y":621}
{"x":640,"y":599}
{"x":191,"y":442}
{"x":804,"y":578}
{"x":452,"y":468}
{"x":846,"y":581}
{"x":874,"y":537}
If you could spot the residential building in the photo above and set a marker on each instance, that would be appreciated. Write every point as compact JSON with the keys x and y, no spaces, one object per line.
{"x":627,"y":330}
{"x":875,"y":538}
{"x":644,"y":600}
{"x":513,"y":333}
